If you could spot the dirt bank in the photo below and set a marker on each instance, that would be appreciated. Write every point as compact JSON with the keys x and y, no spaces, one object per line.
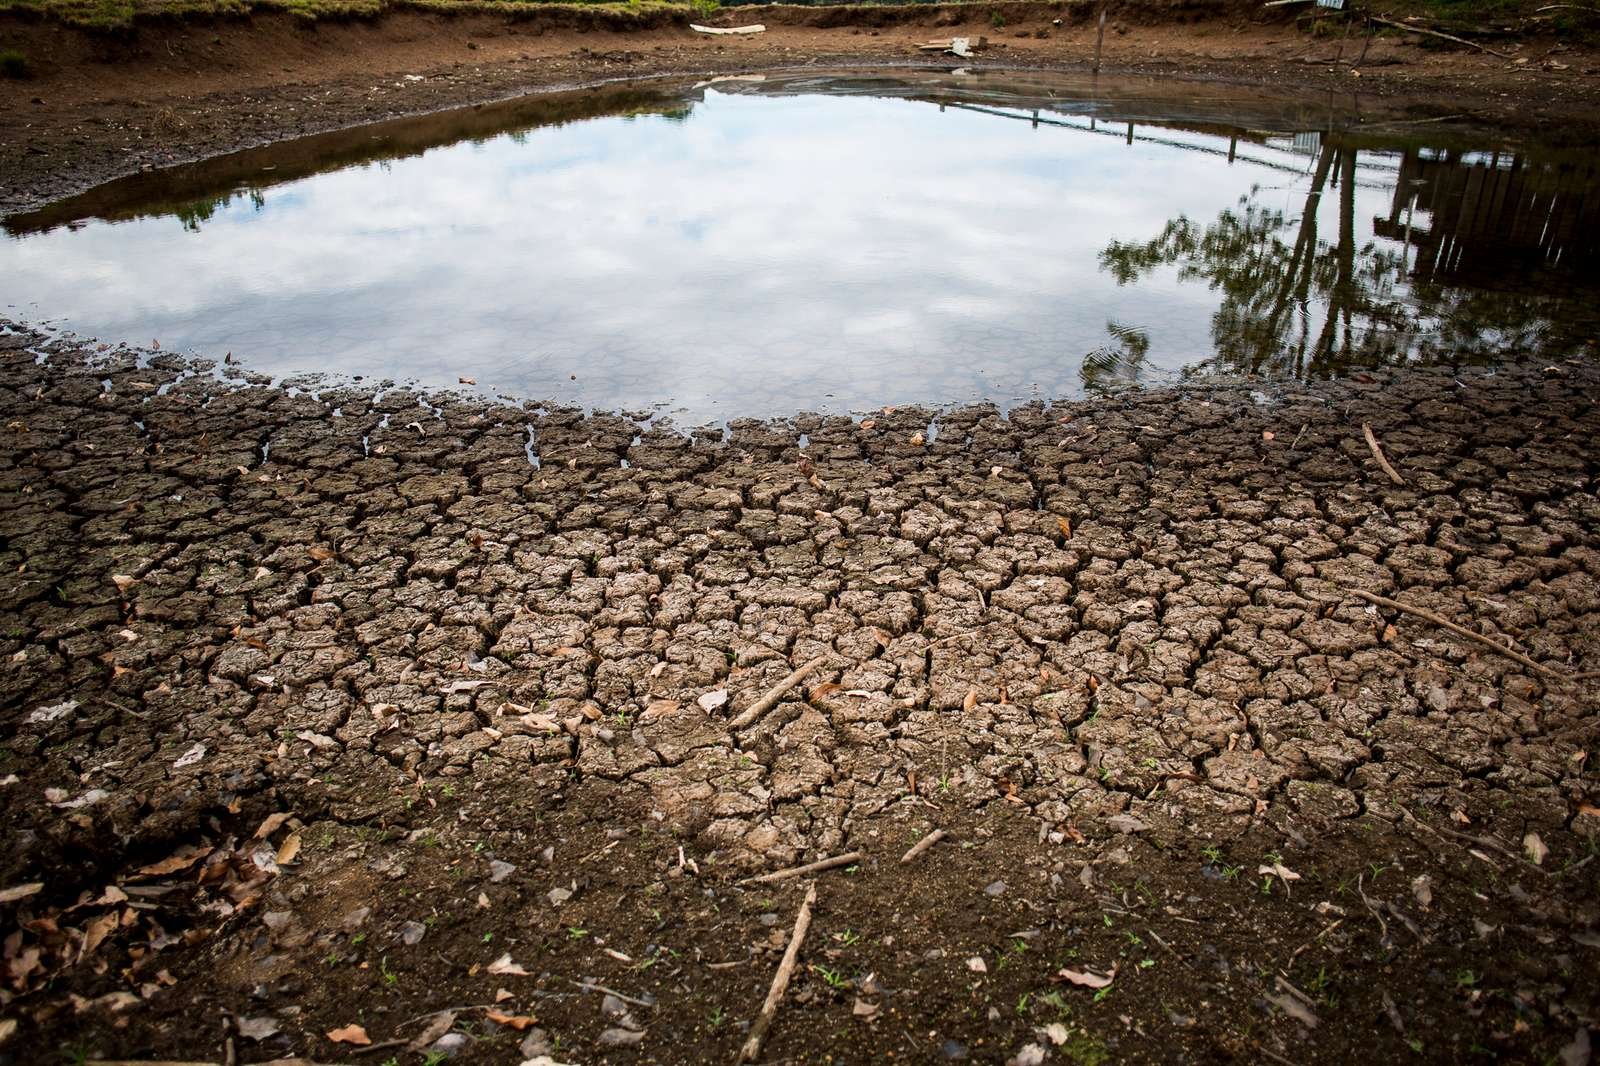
{"x":101,"y":106}
{"x":334,"y":708}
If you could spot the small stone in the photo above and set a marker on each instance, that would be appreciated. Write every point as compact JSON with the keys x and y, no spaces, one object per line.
{"x":499,"y":871}
{"x":996,"y":888}
{"x":558,"y":896}
{"x":411,"y":933}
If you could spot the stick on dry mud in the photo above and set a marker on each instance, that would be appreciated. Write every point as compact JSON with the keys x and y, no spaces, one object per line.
{"x":922,"y":845}
{"x":1435,"y":33}
{"x":1488,"y":642}
{"x":1377,"y":453}
{"x":774,"y":694}
{"x":811,"y":867}
{"x":780,"y":980}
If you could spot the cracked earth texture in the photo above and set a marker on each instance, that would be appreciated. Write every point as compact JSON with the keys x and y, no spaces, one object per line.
{"x":1092,"y":637}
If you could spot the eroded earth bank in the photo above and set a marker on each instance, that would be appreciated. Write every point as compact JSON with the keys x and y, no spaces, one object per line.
{"x":335,"y":707}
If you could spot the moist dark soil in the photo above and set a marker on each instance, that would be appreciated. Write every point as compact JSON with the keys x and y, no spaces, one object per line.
{"x":337,"y":705}
{"x":104,"y":105}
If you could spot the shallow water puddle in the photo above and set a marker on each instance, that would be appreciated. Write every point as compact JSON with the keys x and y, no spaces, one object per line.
{"x":758,"y":246}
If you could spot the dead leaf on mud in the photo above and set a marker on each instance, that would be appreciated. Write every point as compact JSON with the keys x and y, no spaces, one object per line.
{"x":320,"y":553}
{"x":466,"y":381}
{"x":261,"y":1027}
{"x":865,"y":1009}
{"x":290,"y":850}
{"x":504,"y":965}
{"x":271,"y":824}
{"x":519,"y":1022}
{"x":1422,"y":889}
{"x":123,"y":581}
{"x":350,"y":1034}
{"x":440,"y":1025}
{"x":971,"y":701}
{"x":713,"y":699}
{"x":1065,"y":527}
{"x":1087,"y":978}
{"x":1535,"y":849}
{"x":181,"y":859}
{"x":917,"y":439}
{"x":16,"y":892}
{"x":190,"y":757}
{"x":8,"y":1029}
{"x":1280,"y":871}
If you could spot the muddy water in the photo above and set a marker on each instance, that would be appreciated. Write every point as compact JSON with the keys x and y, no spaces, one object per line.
{"x":762,"y":245}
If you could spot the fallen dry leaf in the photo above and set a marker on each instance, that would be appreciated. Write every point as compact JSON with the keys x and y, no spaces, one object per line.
{"x":1087,"y":978}
{"x":181,"y":859}
{"x":320,"y":553}
{"x":917,"y":439}
{"x":441,"y":1024}
{"x":1267,"y":434}
{"x":1535,"y":849}
{"x":289,"y":850}
{"x":519,"y":1022}
{"x":16,"y":892}
{"x":271,"y":823}
{"x":712,"y":700}
{"x":1065,"y":527}
{"x":122,"y":581}
{"x":466,"y":381}
{"x":8,"y":1029}
{"x":1422,"y":889}
{"x":350,"y":1034}
{"x":262,"y":1027}
{"x":504,"y":965}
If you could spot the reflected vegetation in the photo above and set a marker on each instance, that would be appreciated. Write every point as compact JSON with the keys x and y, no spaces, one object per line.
{"x":1478,"y":254}
{"x":754,"y":245}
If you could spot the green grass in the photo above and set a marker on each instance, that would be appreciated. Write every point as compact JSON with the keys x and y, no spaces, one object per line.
{"x":13,"y":64}
{"x":111,"y":15}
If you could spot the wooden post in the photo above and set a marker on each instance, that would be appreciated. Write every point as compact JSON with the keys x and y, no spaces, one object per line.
{"x":1099,"y":39}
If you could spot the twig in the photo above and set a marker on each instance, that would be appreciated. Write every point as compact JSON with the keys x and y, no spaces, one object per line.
{"x":230,"y":1051}
{"x":922,"y":845}
{"x":811,"y":867}
{"x":1445,"y":623}
{"x":589,"y":987}
{"x":774,"y":694}
{"x":1435,"y":33}
{"x":1377,"y":453}
{"x":780,"y":980}
{"x":1383,"y":926}
{"x":1482,"y":842}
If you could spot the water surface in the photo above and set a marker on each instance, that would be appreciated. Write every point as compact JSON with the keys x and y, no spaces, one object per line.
{"x":763,"y":245}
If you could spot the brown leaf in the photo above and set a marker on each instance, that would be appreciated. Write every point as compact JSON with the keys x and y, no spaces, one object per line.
{"x":350,"y":1034}
{"x":122,"y":581}
{"x":868,"y":423}
{"x":1065,"y":527}
{"x":16,"y":892}
{"x":1535,"y":849}
{"x":271,"y":823}
{"x":971,"y":701}
{"x":289,"y":849}
{"x":181,"y":859}
{"x":1267,"y":434}
{"x":519,"y":1022}
{"x":95,"y":933}
{"x":1087,"y":978}
{"x":320,"y":553}
{"x":466,"y":381}
{"x":441,"y":1024}
{"x":917,"y":440}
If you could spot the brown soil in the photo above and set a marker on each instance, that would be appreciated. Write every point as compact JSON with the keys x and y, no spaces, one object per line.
{"x":307,"y":736}
{"x":314,"y":740}
{"x":102,"y":105}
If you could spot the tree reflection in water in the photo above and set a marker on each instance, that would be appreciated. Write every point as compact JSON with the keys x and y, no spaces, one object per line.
{"x":1497,"y":261}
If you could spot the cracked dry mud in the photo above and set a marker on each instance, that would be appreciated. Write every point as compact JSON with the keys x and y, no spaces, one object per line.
{"x":473,"y":665}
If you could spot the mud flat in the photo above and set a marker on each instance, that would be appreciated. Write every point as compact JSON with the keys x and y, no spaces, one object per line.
{"x":335,"y":707}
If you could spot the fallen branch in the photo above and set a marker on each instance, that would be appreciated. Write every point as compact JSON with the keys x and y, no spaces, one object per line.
{"x":1442,"y":36}
{"x":720,"y":30}
{"x":780,"y":980}
{"x":774,"y":694}
{"x":922,"y":845}
{"x":1377,"y":453}
{"x":590,"y":987}
{"x":1462,"y":631}
{"x":811,"y":867}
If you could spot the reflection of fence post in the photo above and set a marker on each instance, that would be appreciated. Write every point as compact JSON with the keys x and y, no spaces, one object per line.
{"x":1099,"y":39}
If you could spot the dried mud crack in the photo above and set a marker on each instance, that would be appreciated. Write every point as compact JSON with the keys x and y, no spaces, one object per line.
{"x":338,"y":707}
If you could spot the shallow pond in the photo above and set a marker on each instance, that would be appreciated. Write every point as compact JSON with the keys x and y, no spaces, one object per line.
{"x":760,"y":245}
